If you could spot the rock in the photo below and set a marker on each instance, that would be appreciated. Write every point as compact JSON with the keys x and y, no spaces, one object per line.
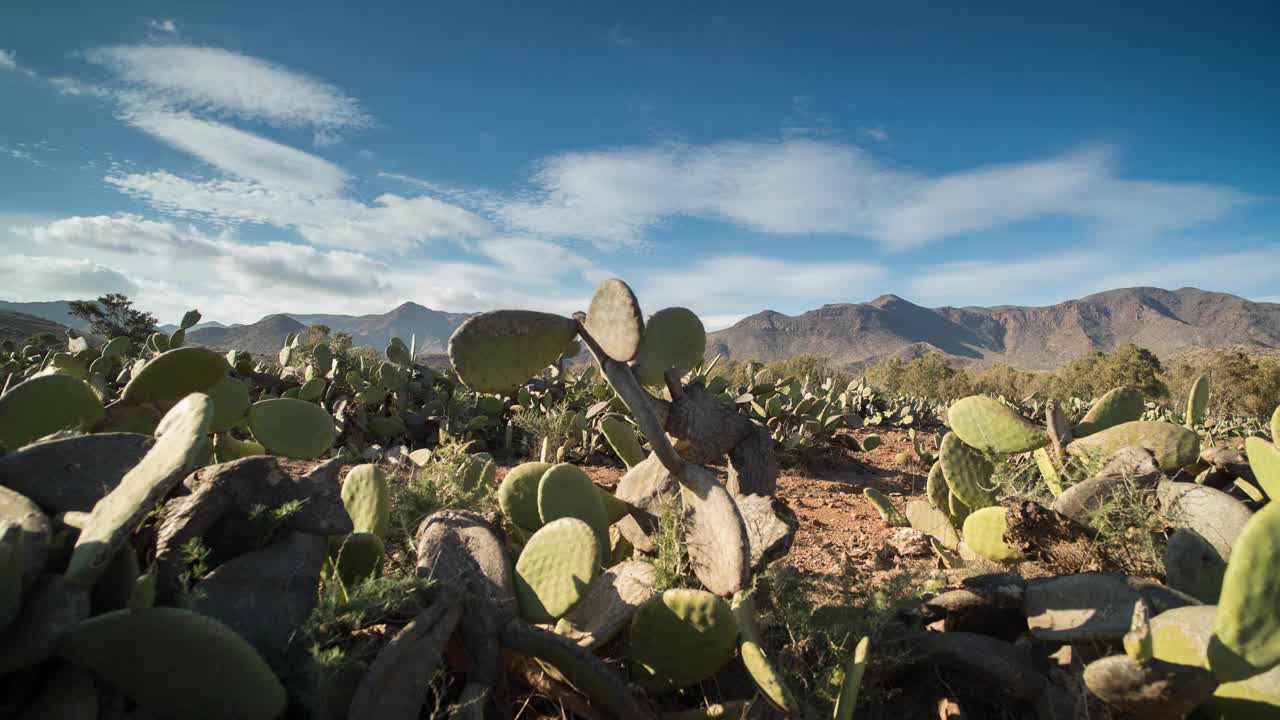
{"x":266,"y":594}
{"x":995,"y":664}
{"x":1230,"y":461}
{"x":715,"y":536}
{"x":1091,"y":606}
{"x":52,"y":607}
{"x":753,"y":466}
{"x":1215,"y":515}
{"x":1130,"y":467}
{"x":648,"y":488}
{"x":1156,"y":690}
{"x":909,"y":542}
{"x":771,"y":527}
{"x":455,"y":546}
{"x":396,"y":685}
{"x":711,"y":427}
{"x":1193,"y":565}
{"x":73,"y":473}
{"x":994,"y":613}
{"x":24,"y":527}
{"x":631,"y":532}
{"x":975,"y":561}
{"x":609,"y":603}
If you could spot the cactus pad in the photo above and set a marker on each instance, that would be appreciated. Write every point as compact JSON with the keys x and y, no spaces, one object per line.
{"x":555,"y":569}
{"x":673,"y":338}
{"x":766,"y":676}
{"x":292,"y":428}
{"x":231,"y":402}
{"x":609,"y":604}
{"x":681,"y":638}
{"x":885,"y":507}
{"x":1121,"y":405}
{"x":1246,"y":633}
{"x":1264,"y":460}
{"x":984,"y":533}
{"x":1048,"y":471}
{"x":1182,"y":635}
{"x":177,"y":664}
{"x":566,"y":491}
{"x":356,"y":557}
{"x":989,"y":425}
{"x":936,"y":489}
{"x":967,"y":472}
{"x":368,"y":500}
{"x":1194,"y":566}
{"x":622,"y":438}
{"x":932,"y":522}
{"x":1174,"y":446}
{"x":848,"y":699}
{"x":175,"y":374}
{"x":226,"y":448}
{"x":1197,"y":401}
{"x":496,"y":352}
{"x":46,"y":404}
{"x":518,"y":495}
{"x":715,"y":534}
{"x":614,"y":320}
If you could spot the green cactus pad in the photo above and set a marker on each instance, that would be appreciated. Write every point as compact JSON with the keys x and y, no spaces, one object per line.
{"x":226,"y":448}
{"x":1121,"y":405}
{"x":932,"y":522}
{"x":175,"y":374}
{"x":957,"y":510}
{"x":1183,"y":635}
{"x":292,"y":428}
{"x":936,"y":489}
{"x":1246,"y":633}
{"x":555,"y":569}
{"x":763,"y":673}
{"x":614,"y":320}
{"x":356,"y":557}
{"x":848,"y":699}
{"x":181,"y":435}
{"x":312,"y":390}
{"x":116,"y":346}
{"x":681,"y":638}
{"x":870,"y":442}
{"x":1275,"y":425}
{"x":566,"y":491}
{"x":984,"y":533}
{"x":518,"y":495}
{"x":1048,"y":471}
{"x":368,"y":500}
{"x":614,"y":508}
{"x":1193,"y":565}
{"x":1264,"y":460}
{"x":1174,"y":446}
{"x":230,"y":403}
{"x":989,"y":425}
{"x":885,"y":507}
{"x":1197,"y":401}
{"x":496,"y":352}
{"x":177,"y":664}
{"x":673,"y":338}
{"x":387,"y":427}
{"x":46,"y":404}
{"x":967,"y":472}
{"x":622,"y":438}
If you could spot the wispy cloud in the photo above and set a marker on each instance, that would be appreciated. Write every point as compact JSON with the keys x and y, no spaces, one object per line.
{"x":618,"y":36}
{"x":24,"y":277}
{"x":9,"y":63}
{"x":802,"y":185}
{"x":875,"y":132}
{"x":28,"y":152}
{"x":166,"y":26}
{"x":724,"y":285}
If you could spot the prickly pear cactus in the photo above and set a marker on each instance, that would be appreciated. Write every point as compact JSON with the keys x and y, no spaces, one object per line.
{"x":566,"y":491}
{"x":367,"y":497}
{"x":936,"y":489}
{"x":1183,"y":635}
{"x":177,"y":664}
{"x":1048,"y":471}
{"x":518,"y":495}
{"x":1246,"y":633}
{"x":681,"y":638}
{"x":614,"y":320}
{"x":932,"y":522}
{"x":622,"y":438}
{"x":1120,"y":405}
{"x":291,"y":427}
{"x":763,"y":673}
{"x":46,"y":404}
{"x":967,"y":472}
{"x":175,"y":374}
{"x":984,"y":533}
{"x":496,"y":352}
{"x":673,"y":338}
{"x":555,"y":569}
{"x":227,"y":448}
{"x":1197,"y":401}
{"x":355,"y":557}
{"x":1174,"y":446}
{"x":884,"y":506}
{"x":848,"y":699}
{"x":989,"y":425}
{"x":231,"y":402}
{"x":1264,"y":460}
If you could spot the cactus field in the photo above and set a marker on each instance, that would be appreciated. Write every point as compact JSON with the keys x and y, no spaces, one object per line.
{"x":328,"y":534}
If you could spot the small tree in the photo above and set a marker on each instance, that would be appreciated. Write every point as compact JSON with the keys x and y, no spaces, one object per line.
{"x":113,"y":315}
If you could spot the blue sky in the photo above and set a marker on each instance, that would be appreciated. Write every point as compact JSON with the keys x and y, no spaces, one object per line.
{"x":729,"y":157}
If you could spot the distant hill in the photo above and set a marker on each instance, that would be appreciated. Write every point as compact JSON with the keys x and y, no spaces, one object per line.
{"x":58,"y":311}
{"x":264,"y":337}
{"x":432,"y":327}
{"x":18,"y":326}
{"x":168,"y":328}
{"x":1033,"y":338}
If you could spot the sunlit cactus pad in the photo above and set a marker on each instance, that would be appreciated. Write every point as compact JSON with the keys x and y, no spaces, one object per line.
{"x":984,"y":533}
{"x":673,"y":338}
{"x":555,"y":569}
{"x":44,"y":405}
{"x":174,"y":374}
{"x":497,"y":351}
{"x":518,"y":495}
{"x":1174,"y":446}
{"x":290,"y":427}
{"x":614,"y":320}
{"x":967,"y":471}
{"x":991,"y":426}
{"x":681,"y":638}
{"x":1121,"y":405}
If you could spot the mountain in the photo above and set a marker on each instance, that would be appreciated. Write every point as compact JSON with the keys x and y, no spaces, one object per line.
{"x":18,"y":326}
{"x":1033,"y":338}
{"x":264,"y":337}
{"x":168,"y":328}
{"x":431,"y":327}
{"x":58,"y":311}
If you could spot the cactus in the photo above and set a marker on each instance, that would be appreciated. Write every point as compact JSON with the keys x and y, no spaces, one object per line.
{"x":368,"y":500}
{"x":1264,"y":460}
{"x":681,"y":638}
{"x":312,"y":390}
{"x":555,"y":568}
{"x":177,"y":664}
{"x":496,"y":352}
{"x":144,"y":592}
{"x":46,"y":404}
{"x":885,"y":507}
{"x":1275,"y":425}
{"x":967,"y":472}
{"x":622,"y":438}
{"x":614,"y":320}
{"x":932,"y":522}
{"x":1246,"y":631}
{"x":870,"y":442}
{"x":226,"y":448}
{"x":1183,"y":636}
{"x":1048,"y":471}
{"x":175,"y":374}
{"x":763,"y":673}
{"x":387,"y":427}
{"x":181,"y":435}
{"x":610,"y":603}
{"x":1197,"y":401}
{"x":848,"y":699}
{"x":518,"y":495}
{"x":1174,"y":446}
{"x":991,"y":426}
{"x":936,"y":487}
{"x":1137,"y":642}
{"x":566,"y":491}
{"x":673,"y":338}
{"x":984,"y":533}
{"x":230,"y":403}
{"x":292,"y":428}
{"x":355,"y":557}
{"x":1120,"y":405}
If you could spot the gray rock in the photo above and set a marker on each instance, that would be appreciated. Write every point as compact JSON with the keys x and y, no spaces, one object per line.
{"x":1215,"y":515}
{"x":396,"y":685}
{"x":73,"y":473}
{"x":611,"y":600}
{"x":1135,"y":466}
{"x":1091,"y":606}
{"x":53,"y":607}
{"x":909,"y":542}
{"x":460,"y":547}
{"x":771,"y":527}
{"x":648,"y":488}
{"x":24,"y":527}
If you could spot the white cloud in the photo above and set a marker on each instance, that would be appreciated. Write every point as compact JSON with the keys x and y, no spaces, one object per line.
{"x":72,"y":86}
{"x":802,"y":185}
{"x":980,"y":282}
{"x":220,"y":81}
{"x":618,"y":36}
{"x":36,"y":277}
{"x":739,"y":284}
{"x":166,"y":25}
{"x":876,"y":132}
{"x":8,"y":60}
